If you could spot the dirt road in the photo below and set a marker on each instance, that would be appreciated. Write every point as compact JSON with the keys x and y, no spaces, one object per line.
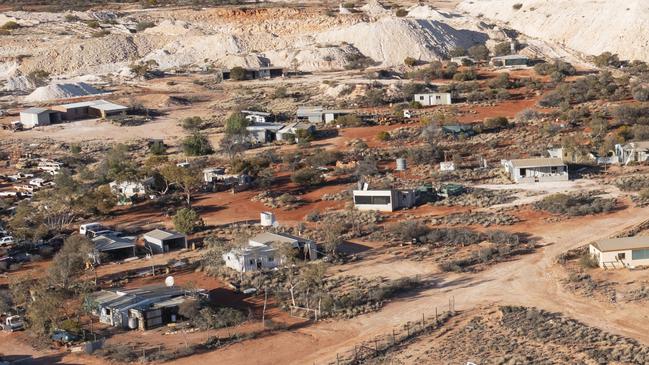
{"x":531,"y":281}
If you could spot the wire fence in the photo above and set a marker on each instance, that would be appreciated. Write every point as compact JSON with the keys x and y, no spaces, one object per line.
{"x":383,"y":344}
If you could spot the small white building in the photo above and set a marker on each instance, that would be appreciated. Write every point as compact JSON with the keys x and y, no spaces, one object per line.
{"x":513,"y":60}
{"x":126,"y":190}
{"x":632,"y":152}
{"x":159,"y":240}
{"x":430,"y":99}
{"x":293,"y":128}
{"x":37,"y":117}
{"x":260,"y":254}
{"x":536,"y":170}
{"x":263,"y":132}
{"x":621,"y":252}
{"x":386,"y":200}
{"x":257,"y":117}
{"x":317,"y":114}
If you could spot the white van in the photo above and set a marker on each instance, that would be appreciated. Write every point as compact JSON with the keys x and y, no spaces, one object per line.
{"x":85,"y":229}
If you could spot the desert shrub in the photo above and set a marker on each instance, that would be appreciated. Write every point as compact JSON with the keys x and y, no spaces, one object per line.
{"x":71,"y":18}
{"x":517,"y":6}
{"x":588,"y":261}
{"x":496,"y":123}
{"x":349,"y":120}
{"x":358,"y":62}
{"x":192,"y":123}
{"x":408,"y":230}
{"x":10,"y":25}
{"x":383,"y":136}
{"x":457,"y":51}
{"x":280,"y":92}
{"x":465,"y":75}
{"x":348,"y":5}
{"x":575,"y":205}
{"x":92,"y":24}
{"x":373,"y":97}
{"x":606,"y":59}
{"x":410,"y":61}
{"x":633,"y":183}
{"x":640,"y":93}
{"x":551,"y":100}
{"x":631,"y":114}
{"x":100,"y":33}
{"x":238,"y":73}
{"x":527,"y":116}
{"x":502,"y":49}
{"x":401,"y":13}
{"x":321,"y":157}
{"x":479,"y":52}
{"x":143,"y":25}
{"x":548,"y":68}
{"x":307,"y":176}
{"x":425,"y":155}
{"x":197,"y":144}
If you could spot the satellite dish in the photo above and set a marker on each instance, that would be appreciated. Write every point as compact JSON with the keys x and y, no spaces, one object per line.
{"x":169,"y":281}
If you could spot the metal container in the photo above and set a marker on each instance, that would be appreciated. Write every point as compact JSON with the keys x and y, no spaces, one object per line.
{"x":401,"y":164}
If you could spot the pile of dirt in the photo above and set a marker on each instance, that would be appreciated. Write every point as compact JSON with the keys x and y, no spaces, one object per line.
{"x":18,"y":84}
{"x":586,"y":28}
{"x":374,"y":8}
{"x":390,"y":40}
{"x":62,"y":91}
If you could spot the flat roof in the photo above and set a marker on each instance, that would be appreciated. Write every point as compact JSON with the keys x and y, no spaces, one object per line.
{"x":639,"y":144}
{"x":97,"y":104}
{"x":110,"y":243}
{"x":35,"y":111}
{"x":162,"y":235}
{"x":510,"y":57}
{"x":537,"y":162}
{"x":622,"y":243}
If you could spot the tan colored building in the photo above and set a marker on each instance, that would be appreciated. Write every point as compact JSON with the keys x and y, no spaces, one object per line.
{"x":621,"y":252}
{"x":536,"y":170}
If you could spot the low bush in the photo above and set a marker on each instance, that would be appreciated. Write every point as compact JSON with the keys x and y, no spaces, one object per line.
{"x":575,"y":205}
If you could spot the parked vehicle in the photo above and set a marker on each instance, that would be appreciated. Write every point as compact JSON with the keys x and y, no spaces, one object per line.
{"x":12,"y":323}
{"x":86,"y":228}
{"x":6,"y":241}
{"x":64,"y":337}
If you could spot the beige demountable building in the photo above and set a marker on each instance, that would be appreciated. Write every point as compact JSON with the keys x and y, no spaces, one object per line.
{"x":536,"y":170}
{"x":621,"y":252}
{"x":90,"y":109}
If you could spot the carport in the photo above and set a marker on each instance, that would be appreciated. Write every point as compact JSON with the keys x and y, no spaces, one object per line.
{"x":160,"y":241}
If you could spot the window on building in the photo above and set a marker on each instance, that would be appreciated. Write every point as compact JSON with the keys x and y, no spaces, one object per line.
{"x":271,"y":259}
{"x":252,"y":262}
{"x":421,"y":97}
{"x":523,"y":172}
{"x":363,"y":199}
{"x":372,"y":200}
{"x":621,"y":256}
{"x":641,"y":254}
{"x":554,"y":169}
{"x":438,"y":97}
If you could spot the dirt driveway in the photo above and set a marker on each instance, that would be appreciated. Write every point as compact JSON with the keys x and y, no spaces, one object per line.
{"x":531,"y":281}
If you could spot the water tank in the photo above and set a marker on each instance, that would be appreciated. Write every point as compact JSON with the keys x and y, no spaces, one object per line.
{"x":267,"y":219}
{"x":401,"y":164}
{"x":132,"y":323}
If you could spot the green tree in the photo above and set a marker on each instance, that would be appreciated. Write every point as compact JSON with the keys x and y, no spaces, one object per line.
{"x":479,"y":52}
{"x":69,"y":263}
{"x":188,"y":180}
{"x":236,"y":124}
{"x":457,"y":51}
{"x":238,"y":73}
{"x":503,"y":49}
{"x":307,"y":176}
{"x":197,"y":144}
{"x":187,"y":220}
{"x":192,"y":123}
